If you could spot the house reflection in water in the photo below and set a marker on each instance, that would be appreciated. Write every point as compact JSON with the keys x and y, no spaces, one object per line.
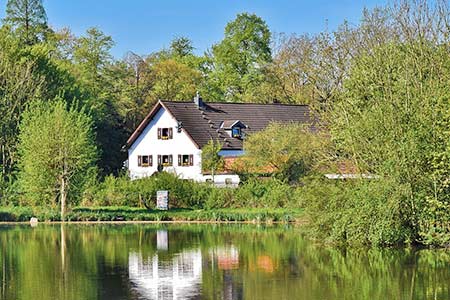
{"x":227,"y":257}
{"x":178,"y":278}
{"x":227,"y":260}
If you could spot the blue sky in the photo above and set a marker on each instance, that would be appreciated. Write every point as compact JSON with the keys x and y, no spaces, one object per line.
{"x":144,"y":26}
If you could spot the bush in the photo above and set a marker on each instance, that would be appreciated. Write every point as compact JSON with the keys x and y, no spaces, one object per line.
{"x":121,"y":191}
{"x":268,"y":192}
{"x":357,"y":212}
{"x":255,"y":193}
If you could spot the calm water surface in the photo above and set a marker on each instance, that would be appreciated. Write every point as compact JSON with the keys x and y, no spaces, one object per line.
{"x":206,"y":262}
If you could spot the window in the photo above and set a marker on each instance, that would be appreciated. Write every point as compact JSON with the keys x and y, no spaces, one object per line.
{"x":185,"y":160}
{"x":236,"y":132}
{"x":165,"y":160}
{"x":145,"y":160}
{"x":165,"y":133}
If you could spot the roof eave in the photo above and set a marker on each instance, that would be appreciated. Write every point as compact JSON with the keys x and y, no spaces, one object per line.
{"x":141,"y":127}
{"x":137,"y":132}
{"x":183,"y":129}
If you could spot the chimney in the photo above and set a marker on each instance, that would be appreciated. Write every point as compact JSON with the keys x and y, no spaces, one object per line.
{"x":198,"y":101}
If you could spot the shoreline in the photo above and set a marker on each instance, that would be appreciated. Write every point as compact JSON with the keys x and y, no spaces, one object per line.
{"x":299,"y":222}
{"x":124,"y":215}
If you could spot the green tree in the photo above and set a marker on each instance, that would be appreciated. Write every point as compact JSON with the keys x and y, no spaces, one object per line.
{"x":92,"y":55}
{"x":132,"y":86}
{"x":26,"y":74}
{"x":173,"y":80}
{"x":93,"y":66}
{"x":239,"y":59}
{"x":57,"y":154}
{"x":211,"y":160}
{"x":392,"y":120}
{"x":28,"y":19}
{"x":286,"y":151}
{"x":181,"y":47}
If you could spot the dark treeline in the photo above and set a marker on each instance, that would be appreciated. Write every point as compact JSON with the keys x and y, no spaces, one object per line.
{"x":379,"y":87}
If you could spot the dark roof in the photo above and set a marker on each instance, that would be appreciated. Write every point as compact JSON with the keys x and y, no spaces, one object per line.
{"x":204,"y":124}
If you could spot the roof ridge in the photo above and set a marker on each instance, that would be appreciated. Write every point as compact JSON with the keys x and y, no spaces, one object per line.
{"x":255,"y":103}
{"x":240,"y":103}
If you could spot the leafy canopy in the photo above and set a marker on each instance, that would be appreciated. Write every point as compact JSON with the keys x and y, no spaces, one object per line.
{"x":287,"y":151}
{"x":238,"y":60}
{"x":57,"y":153}
{"x":28,"y":20}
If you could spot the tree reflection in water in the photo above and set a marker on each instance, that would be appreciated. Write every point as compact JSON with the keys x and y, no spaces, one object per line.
{"x":207,"y":262}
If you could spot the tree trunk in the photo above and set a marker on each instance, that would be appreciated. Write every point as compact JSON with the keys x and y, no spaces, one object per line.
{"x":63,"y":195}
{"x":27,"y":24}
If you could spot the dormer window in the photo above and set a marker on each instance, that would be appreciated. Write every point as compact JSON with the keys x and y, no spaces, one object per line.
{"x":236,"y":132}
{"x":234,"y":128}
{"x":165,"y":133}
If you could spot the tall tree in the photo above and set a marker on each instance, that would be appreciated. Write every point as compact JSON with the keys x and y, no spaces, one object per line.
{"x":132,"y":90}
{"x":239,"y":59}
{"x":392,"y":120}
{"x":173,"y":80}
{"x":92,"y":54}
{"x":58,"y":153}
{"x":26,"y":74}
{"x":28,"y":19}
{"x":181,"y":46}
{"x":92,"y":66}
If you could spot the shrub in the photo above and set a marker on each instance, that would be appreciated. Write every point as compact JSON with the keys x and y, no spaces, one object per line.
{"x":121,"y":191}
{"x":268,"y":192}
{"x":358,"y":212}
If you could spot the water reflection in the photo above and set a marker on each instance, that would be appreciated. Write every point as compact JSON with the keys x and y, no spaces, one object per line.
{"x":207,"y":262}
{"x":226,"y":258}
{"x":177,"y":278}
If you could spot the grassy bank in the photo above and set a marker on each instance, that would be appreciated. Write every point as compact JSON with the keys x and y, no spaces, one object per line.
{"x":93,"y":214}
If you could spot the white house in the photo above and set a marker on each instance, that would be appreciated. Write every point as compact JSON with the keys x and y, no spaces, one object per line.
{"x":173,"y":134}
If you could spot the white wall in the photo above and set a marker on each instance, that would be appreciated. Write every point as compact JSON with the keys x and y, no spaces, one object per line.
{"x":148,"y":144}
{"x":220,"y":180}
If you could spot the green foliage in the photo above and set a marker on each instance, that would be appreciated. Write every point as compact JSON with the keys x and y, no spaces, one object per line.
{"x":91,"y":54}
{"x":126,"y":213}
{"x":264,"y":193}
{"x":121,"y":191}
{"x":365,"y":212}
{"x":26,"y":74}
{"x":238,"y":60}
{"x":391,"y":121}
{"x":92,"y":66}
{"x":181,"y":47}
{"x":57,"y":153}
{"x":28,"y":20}
{"x":286,"y":151}
{"x":174,"y":80}
{"x":255,"y":193}
{"x":211,"y":160}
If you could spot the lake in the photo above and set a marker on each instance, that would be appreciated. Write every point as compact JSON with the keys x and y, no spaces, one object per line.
{"x":192,"y":261}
